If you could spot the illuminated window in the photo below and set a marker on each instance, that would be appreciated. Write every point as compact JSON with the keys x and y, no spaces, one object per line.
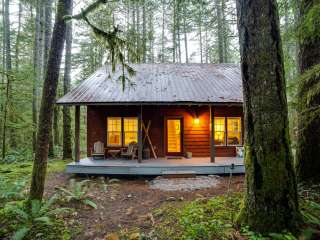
{"x":114,"y":131}
{"x":219,"y":131}
{"x":234,"y":130}
{"x":130,"y":130}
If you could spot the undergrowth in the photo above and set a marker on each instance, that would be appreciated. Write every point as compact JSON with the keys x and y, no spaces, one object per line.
{"x":214,"y":218}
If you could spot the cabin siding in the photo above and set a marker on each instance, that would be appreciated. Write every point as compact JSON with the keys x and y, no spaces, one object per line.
{"x":196,"y":137}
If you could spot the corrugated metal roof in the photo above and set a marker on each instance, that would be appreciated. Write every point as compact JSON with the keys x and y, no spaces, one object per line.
{"x":161,"y":84}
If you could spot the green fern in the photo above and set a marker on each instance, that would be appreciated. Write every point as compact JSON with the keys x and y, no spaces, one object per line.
{"x":31,"y":216}
{"x":77,"y":192}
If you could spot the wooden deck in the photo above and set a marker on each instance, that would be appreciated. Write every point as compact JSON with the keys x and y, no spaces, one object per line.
{"x":222,"y":165}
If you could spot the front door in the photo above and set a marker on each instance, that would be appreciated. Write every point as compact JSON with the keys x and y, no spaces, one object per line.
{"x":174,"y":137}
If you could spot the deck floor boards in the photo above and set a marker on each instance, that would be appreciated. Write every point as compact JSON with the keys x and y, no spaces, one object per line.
{"x":222,"y":165}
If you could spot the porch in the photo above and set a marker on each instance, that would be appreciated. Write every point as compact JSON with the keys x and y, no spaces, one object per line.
{"x":196,"y":165}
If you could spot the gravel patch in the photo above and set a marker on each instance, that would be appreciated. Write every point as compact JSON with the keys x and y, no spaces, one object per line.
{"x":184,"y":184}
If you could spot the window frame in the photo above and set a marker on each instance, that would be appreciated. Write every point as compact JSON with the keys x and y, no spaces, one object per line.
{"x":121,"y":138}
{"x":225,"y":135}
{"x":226,"y":131}
{"x":240,"y":131}
{"x":122,"y":132}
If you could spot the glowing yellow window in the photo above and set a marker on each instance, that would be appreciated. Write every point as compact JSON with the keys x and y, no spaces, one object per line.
{"x":174,"y":135}
{"x":219,"y":131}
{"x":234,"y":130}
{"x":130,"y":129}
{"x":114,"y":131}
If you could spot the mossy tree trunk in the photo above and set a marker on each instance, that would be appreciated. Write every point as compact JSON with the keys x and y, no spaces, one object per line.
{"x":47,"y":102}
{"x":271,"y":202}
{"x":67,"y":136}
{"x":308,"y":146}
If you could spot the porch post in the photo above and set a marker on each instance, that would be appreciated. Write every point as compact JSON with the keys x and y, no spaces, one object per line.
{"x":140,"y":135}
{"x":212,"y":148}
{"x":77,"y":134}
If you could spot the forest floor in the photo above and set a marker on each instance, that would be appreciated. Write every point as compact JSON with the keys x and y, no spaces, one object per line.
{"x":129,"y":204}
{"x":131,"y":209}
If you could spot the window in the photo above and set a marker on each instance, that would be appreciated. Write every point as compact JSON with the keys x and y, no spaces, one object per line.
{"x":130,"y":130}
{"x":219,"y":131}
{"x":234,"y":130}
{"x":114,"y":131}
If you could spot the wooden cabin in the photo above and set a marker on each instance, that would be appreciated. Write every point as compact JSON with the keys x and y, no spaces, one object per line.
{"x":172,"y":111}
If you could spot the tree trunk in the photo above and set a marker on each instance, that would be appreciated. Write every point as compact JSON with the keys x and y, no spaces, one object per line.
{"x":67,"y":136}
{"x":185,"y":30}
{"x":8,"y":69}
{"x":17,"y":47}
{"x":200,"y":32}
{"x":36,"y":67}
{"x":178,"y":29}
{"x":47,"y":102}
{"x":271,"y":202}
{"x":144,"y":32}
{"x":47,"y":25}
{"x":174,"y":41}
{"x":162,"y":32}
{"x":308,"y":147}
{"x":220,"y":31}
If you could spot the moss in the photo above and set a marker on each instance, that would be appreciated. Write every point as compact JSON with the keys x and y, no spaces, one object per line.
{"x":16,"y":171}
{"x":200,"y":219}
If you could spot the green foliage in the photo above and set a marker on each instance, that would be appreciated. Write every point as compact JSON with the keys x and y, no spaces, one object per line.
{"x":11,"y":190}
{"x":77,"y":192}
{"x":309,"y":28}
{"x":201,"y":219}
{"x":30,"y":220}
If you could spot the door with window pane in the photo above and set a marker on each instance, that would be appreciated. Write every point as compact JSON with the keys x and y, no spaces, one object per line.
{"x":174,"y":136}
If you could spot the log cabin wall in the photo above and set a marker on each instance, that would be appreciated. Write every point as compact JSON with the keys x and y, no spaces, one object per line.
{"x":196,"y":136}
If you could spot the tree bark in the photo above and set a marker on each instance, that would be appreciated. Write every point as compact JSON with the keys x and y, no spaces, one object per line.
{"x":144,"y":32}
{"x":308,"y":145}
{"x":47,"y":102}
{"x":271,"y":202}
{"x":185,"y":30}
{"x":67,"y":141}
{"x":220,"y":31}
{"x":174,"y":41}
{"x":8,"y":69}
{"x":200,"y":30}
{"x":162,"y":32}
{"x":17,"y":47}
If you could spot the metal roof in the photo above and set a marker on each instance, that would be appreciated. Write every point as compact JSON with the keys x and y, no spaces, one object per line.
{"x":161,"y":84}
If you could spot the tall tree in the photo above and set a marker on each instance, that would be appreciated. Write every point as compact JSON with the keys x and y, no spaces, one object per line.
{"x":308,"y":147}
{"x":185,"y":30}
{"x":8,"y":68}
{"x":220,"y":30}
{"x":47,"y":102}
{"x":67,"y":146}
{"x":271,"y":202}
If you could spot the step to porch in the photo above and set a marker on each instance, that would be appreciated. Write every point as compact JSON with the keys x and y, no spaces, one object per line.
{"x":178,"y":174}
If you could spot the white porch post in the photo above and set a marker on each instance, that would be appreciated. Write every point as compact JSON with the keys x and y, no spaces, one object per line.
{"x":212,"y":148}
{"x":77,"y":134}
{"x":140,"y":135}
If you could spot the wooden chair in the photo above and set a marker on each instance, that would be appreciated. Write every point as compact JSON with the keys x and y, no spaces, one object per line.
{"x":130,"y":152}
{"x":98,"y":150}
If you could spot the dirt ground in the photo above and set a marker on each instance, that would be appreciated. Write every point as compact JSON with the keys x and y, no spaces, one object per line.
{"x":128,"y":203}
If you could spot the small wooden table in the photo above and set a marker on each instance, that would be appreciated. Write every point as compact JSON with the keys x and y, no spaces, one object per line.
{"x":113,"y":153}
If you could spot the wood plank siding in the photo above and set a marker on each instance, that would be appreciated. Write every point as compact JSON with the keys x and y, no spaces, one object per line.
{"x":195,"y":137}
